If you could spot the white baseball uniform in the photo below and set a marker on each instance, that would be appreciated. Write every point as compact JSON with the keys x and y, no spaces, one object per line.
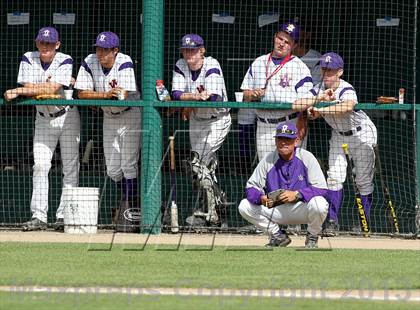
{"x":358,"y":131}
{"x":289,"y":81}
{"x":208,"y":127}
{"x":302,"y":174}
{"x":53,"y":124}
{"x":121,"y":124}
{"x":311,"y":60}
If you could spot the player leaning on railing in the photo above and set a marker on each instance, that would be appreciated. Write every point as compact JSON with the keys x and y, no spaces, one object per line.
{"x":197,"y":77}
{"x":43,"y":73}
{"x":109,"y":74}
{"x":350,"y":127}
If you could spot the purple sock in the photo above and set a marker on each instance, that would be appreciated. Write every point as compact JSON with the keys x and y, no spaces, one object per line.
{"x":129,"y":188}
{"x":335,"y":199}
{"x":367,"y":204}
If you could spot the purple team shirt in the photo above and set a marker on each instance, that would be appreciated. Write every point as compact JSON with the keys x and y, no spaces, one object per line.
{"x":290,"y":175}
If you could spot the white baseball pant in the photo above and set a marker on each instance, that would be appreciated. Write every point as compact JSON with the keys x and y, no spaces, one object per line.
{"x":361,"y":151}
{"x":312,"y":213}
{"x":207,"y":136}
{"x":48,"y":132}
{"x":122,"y":144}
{"x":246,"y":116}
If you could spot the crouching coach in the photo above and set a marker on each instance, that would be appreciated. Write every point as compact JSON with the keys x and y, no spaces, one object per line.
{"x":287,"y":187}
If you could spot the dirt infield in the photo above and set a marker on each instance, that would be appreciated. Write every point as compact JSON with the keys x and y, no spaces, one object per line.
{"x":224,"y":240}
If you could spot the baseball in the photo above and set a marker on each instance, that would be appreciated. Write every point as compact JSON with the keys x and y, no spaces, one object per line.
{"x":121,"y":94}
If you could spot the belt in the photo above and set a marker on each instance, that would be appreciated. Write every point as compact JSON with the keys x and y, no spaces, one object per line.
{"x":350,"y":132}
{"x":205,"y":119}
{"x":212,"y":117}
{"x":118,"y":113}
{"x":57,"y":114}
{"x":278,"y":120}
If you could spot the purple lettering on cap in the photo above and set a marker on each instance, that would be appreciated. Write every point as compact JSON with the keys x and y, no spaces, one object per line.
{"x":107,"y":39}
{"x":47,"y":34}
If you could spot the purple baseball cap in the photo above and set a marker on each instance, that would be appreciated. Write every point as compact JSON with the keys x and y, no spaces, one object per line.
{"x":192,"y":40}
{"x":107,"y":39}
{"x":286,"y":130}
{"x":331,"y":61}
{"x":292,"y":29}
{"x":47,"y":34}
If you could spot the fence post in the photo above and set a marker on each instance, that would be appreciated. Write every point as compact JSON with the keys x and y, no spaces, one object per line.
{"x":417,"y":123}
{"x":152,"y":69}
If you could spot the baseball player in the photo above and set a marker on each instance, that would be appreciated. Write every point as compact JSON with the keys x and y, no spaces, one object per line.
{"x":109,"y":74}
{"x":295,"y":172}
{"x":276,"y":77}
{"x":199,"y":78}
{"x":348,"y":126}
{"x":43,"y":72}
{"x":247,"y":117}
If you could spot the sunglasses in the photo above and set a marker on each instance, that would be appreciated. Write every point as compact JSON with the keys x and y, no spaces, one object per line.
{"x":286,"y":131}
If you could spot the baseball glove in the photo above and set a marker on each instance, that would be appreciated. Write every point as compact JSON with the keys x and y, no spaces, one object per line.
{"x":383,"y":99}
{"x":275,"y":196}
{"x":47,"y":96}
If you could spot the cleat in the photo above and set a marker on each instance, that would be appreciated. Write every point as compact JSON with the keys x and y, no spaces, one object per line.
{"x":280,"y":239}
{"x":331,"y":229}
{"x":128,"y":219}
{"x":356,"y":230}
{"x":59,"y":224}
{"x":34,"y":224}
{"x":311,"y":241}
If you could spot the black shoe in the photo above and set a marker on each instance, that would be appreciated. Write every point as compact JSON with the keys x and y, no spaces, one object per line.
{"x":34,"y":224}
{"x":280,"y":239}
{"x":311,"y":241}
{"x":128,"y":219}
{"x":59,"y":224}
{"x":331,"y":229}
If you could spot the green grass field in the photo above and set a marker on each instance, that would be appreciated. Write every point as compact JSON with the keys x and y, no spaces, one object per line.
{"x":18,"y":301}
{"x":73,"y":265}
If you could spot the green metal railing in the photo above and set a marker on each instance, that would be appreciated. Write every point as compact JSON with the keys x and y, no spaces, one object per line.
{"x":152,"y":69}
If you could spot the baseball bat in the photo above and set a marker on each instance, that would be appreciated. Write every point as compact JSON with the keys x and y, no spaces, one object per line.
{"x":174,"y":207}
{"x":358,"y":198}
{"x":387,"y":195}
{"x":88,"y":151}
